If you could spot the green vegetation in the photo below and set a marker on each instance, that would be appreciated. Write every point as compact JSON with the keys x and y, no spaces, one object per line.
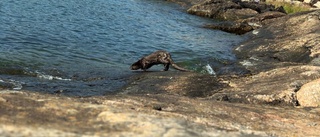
{"x":291,"y":8}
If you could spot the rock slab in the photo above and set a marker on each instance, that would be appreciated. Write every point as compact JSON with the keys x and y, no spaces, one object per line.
{"x":309,"y":94}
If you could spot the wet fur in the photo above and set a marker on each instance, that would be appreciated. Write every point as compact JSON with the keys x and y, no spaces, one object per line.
{"x":155,"y":58}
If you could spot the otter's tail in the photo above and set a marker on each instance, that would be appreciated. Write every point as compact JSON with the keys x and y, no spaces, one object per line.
{"x":175,"y":66}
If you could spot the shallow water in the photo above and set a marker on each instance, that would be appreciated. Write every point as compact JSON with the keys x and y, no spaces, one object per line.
{"x":85,"y":47}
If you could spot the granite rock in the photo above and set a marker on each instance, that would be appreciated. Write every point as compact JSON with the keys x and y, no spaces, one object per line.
{"x":309,"y":94}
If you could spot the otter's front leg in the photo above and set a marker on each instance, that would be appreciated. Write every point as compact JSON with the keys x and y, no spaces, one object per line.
{"x":144,"y":64}
{"x":166,"y":66}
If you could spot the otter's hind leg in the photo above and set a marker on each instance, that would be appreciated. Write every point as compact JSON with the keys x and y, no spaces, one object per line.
{"x":166,"y":66}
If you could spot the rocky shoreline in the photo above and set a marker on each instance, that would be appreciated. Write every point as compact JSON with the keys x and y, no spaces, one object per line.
{"x":279,"y":97}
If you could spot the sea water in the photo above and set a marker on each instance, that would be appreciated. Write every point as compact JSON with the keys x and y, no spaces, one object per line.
{"x":85,"y":47}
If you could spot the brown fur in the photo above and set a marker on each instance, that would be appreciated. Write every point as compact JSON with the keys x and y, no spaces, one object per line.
{"x":155,"y":58}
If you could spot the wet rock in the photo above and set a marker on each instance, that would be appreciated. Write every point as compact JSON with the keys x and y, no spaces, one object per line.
{"x":213,"y":8}
{"x":186,"y":3}
{"x":288,"y":39}
{"x":237,"y":28}
{"x":230,"y":9}
{"x":244,"y":16}
{"x":6,"y":85}
{"x":172,"y":82}
{"x":242,"y":26}
{"x":233,"y":69}
{"x":277,"y":86}
{"x":309,"y":94}
{"x":11,"y":71}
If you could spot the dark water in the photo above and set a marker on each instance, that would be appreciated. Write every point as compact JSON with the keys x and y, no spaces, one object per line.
{"x":85,"y":47}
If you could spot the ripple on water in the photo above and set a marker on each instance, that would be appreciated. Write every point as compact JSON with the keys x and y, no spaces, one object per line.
{"x":86,"y":47}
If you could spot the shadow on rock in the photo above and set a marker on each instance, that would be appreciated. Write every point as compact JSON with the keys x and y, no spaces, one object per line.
{"x":173,"y":82}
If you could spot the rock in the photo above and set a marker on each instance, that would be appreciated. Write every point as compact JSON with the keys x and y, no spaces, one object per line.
{"x":235,"y":14}
{"x":317,"y":5}
{"x":266,"y":15}
{"x":35,"y":114}
{"x":2,"y":99}
{"x":277,"y":86}
{"x":190,"y":104}
{"x":289,"y":39}
{"x":274,"y":56}
{"x":212,"y":8}
{"x":176,"y":83}
{"x":309,"y":94}
{"x":260,"y":7}
{"x":186,"y":3}
{"x":237,"y":28}
{"x":245,"y":15}
{"x":243,"y":26}
{"x":312,"y":3}
{"x":230,"y":9}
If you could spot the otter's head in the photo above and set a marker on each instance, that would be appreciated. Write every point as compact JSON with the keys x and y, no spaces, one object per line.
{"x":135,"y":66}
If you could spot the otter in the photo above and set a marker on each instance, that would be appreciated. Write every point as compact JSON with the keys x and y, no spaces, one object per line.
{"x":155,"y":58}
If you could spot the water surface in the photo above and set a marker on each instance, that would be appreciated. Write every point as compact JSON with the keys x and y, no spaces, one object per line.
{"x":85,"y":47}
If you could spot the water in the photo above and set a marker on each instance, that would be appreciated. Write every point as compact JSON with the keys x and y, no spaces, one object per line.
{"x":85,"y":47}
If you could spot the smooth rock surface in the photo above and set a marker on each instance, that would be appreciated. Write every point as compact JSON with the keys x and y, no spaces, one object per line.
{"x":278,"y":86}
{"x":309,"y":94}
{"x":34,"y":114}
{"x":289,"y":39}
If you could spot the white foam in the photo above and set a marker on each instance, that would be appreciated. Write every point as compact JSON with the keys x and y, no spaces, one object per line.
{"x":50,"y":77}
{"x":17,"y":84}
{"x":17,"y":87}
{"x":210,"y":70}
